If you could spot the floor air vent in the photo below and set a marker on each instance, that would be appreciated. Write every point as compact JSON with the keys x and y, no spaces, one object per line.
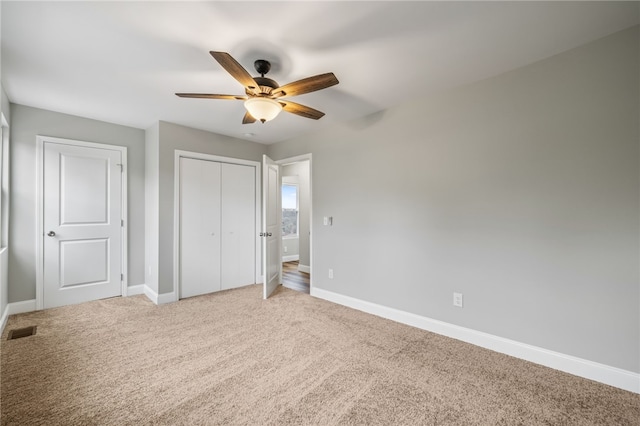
{"x":22,"y":332}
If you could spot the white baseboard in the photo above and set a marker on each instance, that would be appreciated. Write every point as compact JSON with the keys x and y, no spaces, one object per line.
{"x":304,"y":268}
{"x":3,"y":319}
{"x":21,"y":307}
{"x":16,"y":308}
{"x":151,"y":295}
{"x":602,"y":373}
{"x":134,"y":290}
{"x":290,"y":258}
{"x":160,"y":299}
{"x":167,"y":298}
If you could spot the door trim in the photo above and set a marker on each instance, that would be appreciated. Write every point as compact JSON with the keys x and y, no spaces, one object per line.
{"x":178,"y":154}
{"x":297,"y":159}
{"x":40,"y":141}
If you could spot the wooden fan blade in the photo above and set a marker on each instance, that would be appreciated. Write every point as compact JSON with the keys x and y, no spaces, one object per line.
{"x":301,"y":110}
{"x":236,"y":70}
{"x":306,"y":85}
{"x":248,"y":118}
{"x":211,"y":96}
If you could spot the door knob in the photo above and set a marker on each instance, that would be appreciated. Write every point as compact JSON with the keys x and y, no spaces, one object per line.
{"x":51,"y":234}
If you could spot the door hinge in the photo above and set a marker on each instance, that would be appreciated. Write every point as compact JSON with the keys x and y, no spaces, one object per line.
{"x":122,"y":222}
{"x":121,"y":167}
{"x":121,"y":277}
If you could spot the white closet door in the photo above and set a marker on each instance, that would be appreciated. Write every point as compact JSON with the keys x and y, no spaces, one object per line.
{"x":238,"y":225}
{"x":200,"y":220}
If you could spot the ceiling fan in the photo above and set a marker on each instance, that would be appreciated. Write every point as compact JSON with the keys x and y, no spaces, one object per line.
{"x":264,"y":97}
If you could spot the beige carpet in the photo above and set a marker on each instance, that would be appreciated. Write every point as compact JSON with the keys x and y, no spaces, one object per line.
{"x":232,"y":358}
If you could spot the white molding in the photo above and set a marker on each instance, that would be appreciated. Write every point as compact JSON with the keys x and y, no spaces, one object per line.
{"x":290,"y":258}
{"x":160,"y":299}
{"x":602,"y":373}
{"x":296,"y":159}
{"x":39,"y":222}
{"x":16,"y":308}
{"x":124,"y":215}
{"x":134,"y":290}
{"x":167,"y":298}
{"x":21,"y":307}
{"x":3,"y":319}
{"x":151,"y":295}
{"x":40,"y":141}
{"x":304,"y":268}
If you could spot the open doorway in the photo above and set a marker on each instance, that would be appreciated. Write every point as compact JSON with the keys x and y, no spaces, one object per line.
{"x":296,"y":224}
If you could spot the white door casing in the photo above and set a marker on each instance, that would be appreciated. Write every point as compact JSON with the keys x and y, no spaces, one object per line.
{"x":81,"y":222}
{"x":271,"y":225}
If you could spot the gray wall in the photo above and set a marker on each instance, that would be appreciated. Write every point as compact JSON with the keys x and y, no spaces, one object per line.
{"x":26,"y":124}
{"x":301,"y":171}
{"x":520,"y":191}
{"x":5,"y":106}
{"x":290,"y":247}
{"x":151,"y":202}
{"x":175,"y":137}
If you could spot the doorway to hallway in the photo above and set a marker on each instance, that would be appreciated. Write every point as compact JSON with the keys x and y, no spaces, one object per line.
{"x":296,"y":239}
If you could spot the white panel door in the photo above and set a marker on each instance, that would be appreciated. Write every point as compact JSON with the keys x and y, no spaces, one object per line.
{"x":238,"y":225}
{"x":82,"y":224}
{"x":271,"y":225}
{"x":199,"y":227}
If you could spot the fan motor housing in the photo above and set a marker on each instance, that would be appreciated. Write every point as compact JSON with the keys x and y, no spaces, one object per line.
{"x":266,"y":84}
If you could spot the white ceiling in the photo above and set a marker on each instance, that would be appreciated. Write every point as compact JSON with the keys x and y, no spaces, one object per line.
{"x":122,"y":62}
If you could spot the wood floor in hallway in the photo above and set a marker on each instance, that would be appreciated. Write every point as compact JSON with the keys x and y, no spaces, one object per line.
{"x":294,"y":279}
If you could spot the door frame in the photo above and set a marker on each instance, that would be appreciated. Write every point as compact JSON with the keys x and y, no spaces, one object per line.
{"x":297,"y":159}
{"x":178,"y":154}
{"x":40,"y":141}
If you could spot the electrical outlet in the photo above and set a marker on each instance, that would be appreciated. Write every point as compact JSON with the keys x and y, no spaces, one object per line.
{"x":331,"y":274}
{"x":286,"y":249}
{"x":457,"y":299}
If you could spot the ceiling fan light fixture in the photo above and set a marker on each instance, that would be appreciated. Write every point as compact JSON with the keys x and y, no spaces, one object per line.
{"x":262,"y":92}
{"x":263,"y":109}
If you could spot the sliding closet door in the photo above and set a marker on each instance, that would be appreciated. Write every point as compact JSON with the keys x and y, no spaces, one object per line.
{"x":238,"y":225}
{"x":200,"y":230}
